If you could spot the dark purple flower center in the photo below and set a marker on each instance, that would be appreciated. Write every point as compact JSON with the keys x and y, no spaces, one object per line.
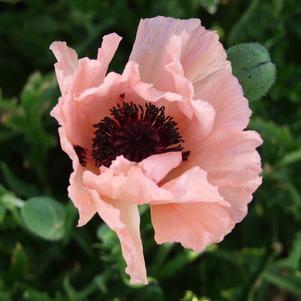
{"x":81,"y":154}
{"x":135,"y":132}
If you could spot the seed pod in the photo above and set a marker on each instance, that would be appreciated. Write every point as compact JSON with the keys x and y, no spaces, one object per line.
{"x":251,"y":64}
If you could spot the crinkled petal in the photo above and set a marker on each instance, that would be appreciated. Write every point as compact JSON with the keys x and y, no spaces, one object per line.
{"x":193,"y":186}
{"x":152,"y":36}
{"x":135,"y":187}
{"x":91,"y":73}
{"x":75,"y":75}
{"x":194,"y":225}
{"x":196,"y":217}
{"x":67,"y":64}
{"x":77,"y":193}
{"x":108,"y":48}
{"x":234,"y":165}
{"x":205,"y":115}
{"x":74,"y":124}
{"x":158,"y":166}
{"x":178,"y":56}
{"x":123,"y":218}
{"x":225,"y":95}
{"x":202,"y":56}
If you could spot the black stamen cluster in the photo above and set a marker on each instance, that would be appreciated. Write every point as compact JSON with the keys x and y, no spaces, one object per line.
{"x":81,"y":154}
{"x":135,"y":132}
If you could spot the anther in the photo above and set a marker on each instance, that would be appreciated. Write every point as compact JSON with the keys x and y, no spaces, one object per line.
{"x":136,"y":132}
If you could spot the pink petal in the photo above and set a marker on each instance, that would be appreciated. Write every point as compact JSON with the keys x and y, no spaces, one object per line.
{"x":120,"y":187}
{"x":91,"y":73}
{"x":178,"y":56}
{"x":77,"y":116}
{"x":158,"y":166}
{"x":95,"y":103}
{"x":202,"y":56}
{"x":225,"y":94}
{"x":77,"y":193}
{"x":108,"y":48}
{"x":73,"y":121}
{"x":233,"y":164}
{"x":193,"y":186}
{"x":169,"y":74}
{"x":194,"y":225}
{"x":121,"y":166}
{"x":197,"y":215}
{"x":152,"y":36}
{"x":149,"y":93}
{"x":79,"y":75}
{"x":140,"y":92}
{"x":67,"y":64}
{"x":123,"y":218}
{"x":205,"y":115}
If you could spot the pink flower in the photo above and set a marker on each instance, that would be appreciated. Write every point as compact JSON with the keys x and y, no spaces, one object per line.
{"x":168,"y":132}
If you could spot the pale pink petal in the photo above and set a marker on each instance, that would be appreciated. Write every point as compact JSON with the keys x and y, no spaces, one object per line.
{"x":66,"y":66}
{"x":205,"y":115}
{"x":75,"y":125}
{"x":77,"y":116}
{"x":108,"y":48}
{"x":124,"y":219}
{"x":152,"y":36}
{"x":170,"y":75}
{"x":158,"y":166}
{"x":95,"y":103}
{"x":135,"y":187}
{"x":194,"y":225}
{"x":133,"y":89}
{"x":202,"y":56}
{"x":79,"y":75}
{"x":233,"y":164}
{"x":77,"y":193}
{"x":193,"y":186}
{"x":125,"y":87}
{"x":121,"y":166}
{"x":175,"y":72}
{"x":178,"y":56}
{"x":91,"y":73}
{"x":197,"y":216}
{"x":225,"y":94}
{"x":149,"y":93}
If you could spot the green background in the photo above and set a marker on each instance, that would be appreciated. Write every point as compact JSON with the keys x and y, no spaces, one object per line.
{"x":260,"y":260}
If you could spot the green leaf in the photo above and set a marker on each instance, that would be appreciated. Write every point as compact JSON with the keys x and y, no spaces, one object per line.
{"x":251,"y":64}
{"x":45,"y":217}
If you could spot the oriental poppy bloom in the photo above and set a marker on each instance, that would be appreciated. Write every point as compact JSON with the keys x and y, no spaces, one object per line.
{"x":167,"y":132}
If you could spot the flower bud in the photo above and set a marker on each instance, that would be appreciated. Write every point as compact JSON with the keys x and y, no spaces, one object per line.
{"x":251,"y":64}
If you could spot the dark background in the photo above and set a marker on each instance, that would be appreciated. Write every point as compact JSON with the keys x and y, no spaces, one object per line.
{"x":260,"y":260}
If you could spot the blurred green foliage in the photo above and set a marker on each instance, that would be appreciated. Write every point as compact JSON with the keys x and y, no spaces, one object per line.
{"x":260,"y":260}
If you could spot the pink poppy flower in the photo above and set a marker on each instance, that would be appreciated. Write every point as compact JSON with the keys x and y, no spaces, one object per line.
{"x":167,"y":132}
